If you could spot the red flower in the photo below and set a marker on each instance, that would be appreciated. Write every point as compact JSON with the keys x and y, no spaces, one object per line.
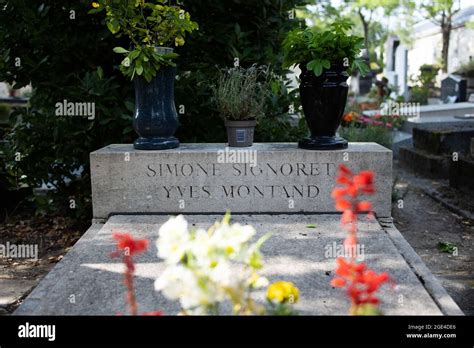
{"x":130,"y":246}
{"x":338,"y":193}
{"x":351,"y":241}
{"x":361,"y":283}
{"x":342,"y":204}
{"x":347,"y":217}
{"x":344,"y":170}
{"x":127,"y":246}
{"x":346,"y":196}
{"x":338,"y":282}
{"x":364,"y":206}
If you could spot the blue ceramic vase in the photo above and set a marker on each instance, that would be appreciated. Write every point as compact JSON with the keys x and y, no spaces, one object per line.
{"x":156,"y":119}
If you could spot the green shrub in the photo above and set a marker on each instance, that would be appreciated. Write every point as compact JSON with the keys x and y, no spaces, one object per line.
{"x":67,"y":54}
{"x":369,"y":133}
{"x":466,"y":69}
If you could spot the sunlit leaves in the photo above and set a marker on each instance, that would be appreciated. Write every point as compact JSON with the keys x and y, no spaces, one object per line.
{"x":319,"y":48}
{"x":148,"y":25}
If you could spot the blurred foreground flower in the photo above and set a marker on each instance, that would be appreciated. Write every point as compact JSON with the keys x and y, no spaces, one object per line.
{"x":207,"y":267}
{"x":127,"y":247}
{"x":361,"y":283}
{"x":281,"y":296}
{"x":283,"y":292}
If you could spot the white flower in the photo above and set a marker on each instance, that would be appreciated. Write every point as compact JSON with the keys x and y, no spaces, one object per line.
{"x":205,"y":268}
{"x":173,"y":239}
{"x":222,"y":274}
{"x":201,"y":247}
{"x":260,"y":282}
{"x":178,"y":282}
{"x":232,"y":238}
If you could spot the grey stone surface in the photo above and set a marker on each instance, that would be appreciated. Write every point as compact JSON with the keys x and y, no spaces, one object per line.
{"x":294,"y":252}
{"x":436,"y":122}
{"x":11,"y":290}
{"x":193,"y":179}
{"x":431,"y":283}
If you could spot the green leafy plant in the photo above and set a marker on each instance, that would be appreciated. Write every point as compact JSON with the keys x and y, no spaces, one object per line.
{"x":318,"y":49}
{"x":240,"y":93}
{"x":424,"y":87}
{"x":250,"y":31}
{"x":369,"y":133}
{"x":66,"y":66}
{"x":447,"y":247}
{"x":466,"y":69}
{"x":148,"y":26}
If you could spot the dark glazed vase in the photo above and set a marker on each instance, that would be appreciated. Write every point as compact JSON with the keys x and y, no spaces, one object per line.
{"x":156,"y":119}
{"x":323,"y":99}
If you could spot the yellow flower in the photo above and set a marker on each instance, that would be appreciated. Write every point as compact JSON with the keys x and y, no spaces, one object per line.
{"x":283,"y":292}
{"x":95,"y":4}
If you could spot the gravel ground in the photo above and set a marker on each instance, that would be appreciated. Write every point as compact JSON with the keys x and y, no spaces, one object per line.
{"x":425,"y":223}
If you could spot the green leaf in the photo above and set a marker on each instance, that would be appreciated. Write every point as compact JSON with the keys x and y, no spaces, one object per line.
{"x":359,"y":65}
{"x":311,"y":226}
{"x":100,"y":73}
{"x":120,"y":50}
{"x":113,"y":25}
{"x":326,"y":63}
{"x":139,"y":67}
{"x":315,"y":66}
{"x":134,"y":54}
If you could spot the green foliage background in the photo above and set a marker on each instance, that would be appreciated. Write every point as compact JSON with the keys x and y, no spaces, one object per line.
{"x":71,"y":59}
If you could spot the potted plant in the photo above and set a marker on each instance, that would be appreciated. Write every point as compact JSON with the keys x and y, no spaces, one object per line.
{"x":153,"y":28}
{"x":240,"y":96}
{"x":326,"y":58}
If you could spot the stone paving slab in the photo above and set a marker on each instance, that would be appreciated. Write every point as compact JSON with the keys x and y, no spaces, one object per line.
{"x":294,"y":252}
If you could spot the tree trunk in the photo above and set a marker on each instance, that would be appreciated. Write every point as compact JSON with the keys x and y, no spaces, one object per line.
{"x":365,"y":25}
{"x":446,"y":32}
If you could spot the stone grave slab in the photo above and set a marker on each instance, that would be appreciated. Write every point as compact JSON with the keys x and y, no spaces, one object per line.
{"x":294,"y":252}
{"x":210,"y":178}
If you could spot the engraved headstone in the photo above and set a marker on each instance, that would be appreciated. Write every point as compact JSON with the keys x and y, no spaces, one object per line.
{"x":210,"y":178}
